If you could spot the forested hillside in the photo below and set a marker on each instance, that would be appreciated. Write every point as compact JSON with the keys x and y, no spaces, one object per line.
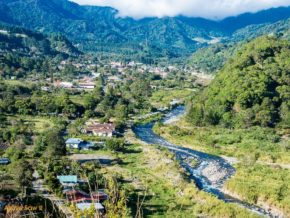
{"x":211,"y":59}
{"x":252,"y":89}
{"x":27,"y":42}
{"x":23,"y":51}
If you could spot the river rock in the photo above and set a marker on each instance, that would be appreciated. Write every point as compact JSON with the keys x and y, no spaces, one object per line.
{"x":214,"y":172}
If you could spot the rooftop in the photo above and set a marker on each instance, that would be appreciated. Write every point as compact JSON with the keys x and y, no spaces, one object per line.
{"x":74,"y":141}
{"x":67,"y":179}
{"x":4,"y":160}
{"x":105,"y":127}
{"x":86,"y":206}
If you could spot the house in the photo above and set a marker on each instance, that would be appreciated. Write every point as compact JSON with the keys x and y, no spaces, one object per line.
{"x":74,"y":143}
{"x":78,"y":196}
{"x":86,"y":206}
{"x":4,"y":161}
{"x":114,"y":79}
{"x":45,"y":88}
{"x":86,"y":85}
{"x":101,"y":130}
{"x":65,"y":85}
{"x":69,"y":180}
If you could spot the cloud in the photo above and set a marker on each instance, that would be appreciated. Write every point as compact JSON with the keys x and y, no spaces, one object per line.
{"x":211,"y":9}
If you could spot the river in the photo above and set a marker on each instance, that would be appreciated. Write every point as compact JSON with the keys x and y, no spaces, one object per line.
{"x":208,"y":171}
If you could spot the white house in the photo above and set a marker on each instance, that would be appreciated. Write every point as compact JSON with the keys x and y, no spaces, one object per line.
{"x":101,"y":130}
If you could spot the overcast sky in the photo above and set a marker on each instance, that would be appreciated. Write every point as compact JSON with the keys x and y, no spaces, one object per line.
{"x":213,"y":9}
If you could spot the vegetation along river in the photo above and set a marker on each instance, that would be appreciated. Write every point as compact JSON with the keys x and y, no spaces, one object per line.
{"x":208,"y":171}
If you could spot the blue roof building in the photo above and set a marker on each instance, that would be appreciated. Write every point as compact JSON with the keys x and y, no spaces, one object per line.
{"x":4,"y":161}
{"x":69,"y":179}
{"x":74,"y":143}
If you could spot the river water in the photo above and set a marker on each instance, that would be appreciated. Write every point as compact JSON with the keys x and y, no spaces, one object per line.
{"x":208,"y":171}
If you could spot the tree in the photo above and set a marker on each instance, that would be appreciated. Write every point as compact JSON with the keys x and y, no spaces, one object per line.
{"x":115,"y":144}
{"x":55,"y":145}
{"x":250,"y":89}
{"x":116,"y":203}
{"x":22,"y":172}
{"x":196,"y":114}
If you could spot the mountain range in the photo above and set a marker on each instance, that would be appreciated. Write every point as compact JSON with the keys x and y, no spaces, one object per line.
{"x":93,"y":28}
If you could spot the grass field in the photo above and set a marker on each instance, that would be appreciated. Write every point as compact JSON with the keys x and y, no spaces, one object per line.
{"x":262,"y":156}
{"x":162,"y":98}
{"x":77,"y":99}
{"x":38,"y":124}
{"x":154,"y":177}
{"x":261,"y":144}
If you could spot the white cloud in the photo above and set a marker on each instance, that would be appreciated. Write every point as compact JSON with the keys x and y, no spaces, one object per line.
{"x":212,"y":9}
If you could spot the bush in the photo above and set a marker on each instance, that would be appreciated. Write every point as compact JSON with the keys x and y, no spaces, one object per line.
{"x":115,"y":144}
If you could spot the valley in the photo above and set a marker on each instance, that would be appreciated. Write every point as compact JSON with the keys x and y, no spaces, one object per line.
{"x":108,"y":116}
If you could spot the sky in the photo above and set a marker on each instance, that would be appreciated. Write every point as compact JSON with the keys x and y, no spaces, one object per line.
{"x":210,"y":9}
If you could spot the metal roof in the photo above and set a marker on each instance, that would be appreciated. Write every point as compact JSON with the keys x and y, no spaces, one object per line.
{"x":68,"y":179}
{"x":86,"y":206}
{"x":4,"y":160}
{"x":74,"y":141}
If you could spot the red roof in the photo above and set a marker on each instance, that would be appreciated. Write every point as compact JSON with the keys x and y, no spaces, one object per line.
{"x":80,"y":196}
{"x":101,"y":128}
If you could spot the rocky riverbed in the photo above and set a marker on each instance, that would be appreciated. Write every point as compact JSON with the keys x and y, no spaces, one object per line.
{"x":208,"y":171}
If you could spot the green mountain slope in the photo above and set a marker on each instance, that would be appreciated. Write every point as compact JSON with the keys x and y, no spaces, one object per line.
{"x":26,"y":42}
{"x":23,"y":52}
{"x":99,"y":29}
{"x":252,"y":89}
{"x":212,"y":58}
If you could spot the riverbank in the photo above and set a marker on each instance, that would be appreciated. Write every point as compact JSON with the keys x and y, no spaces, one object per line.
{"x":155,"y":177}
{"x":261,"y":184}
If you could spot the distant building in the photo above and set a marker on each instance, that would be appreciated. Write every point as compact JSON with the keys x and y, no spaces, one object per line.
{"x":4,"y":161}
{"x":87,"y":85}
{"x":101,"y":130}
{"x":45,"y":88}
{"x":65,"y":85}
{"x":114,"y":79}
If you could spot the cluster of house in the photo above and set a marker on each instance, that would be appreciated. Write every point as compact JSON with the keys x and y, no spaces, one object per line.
{"x":81,"y":199}
{"x":84,"y":65}
{"x":162,"y":71}
{"x":105,"y":130}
